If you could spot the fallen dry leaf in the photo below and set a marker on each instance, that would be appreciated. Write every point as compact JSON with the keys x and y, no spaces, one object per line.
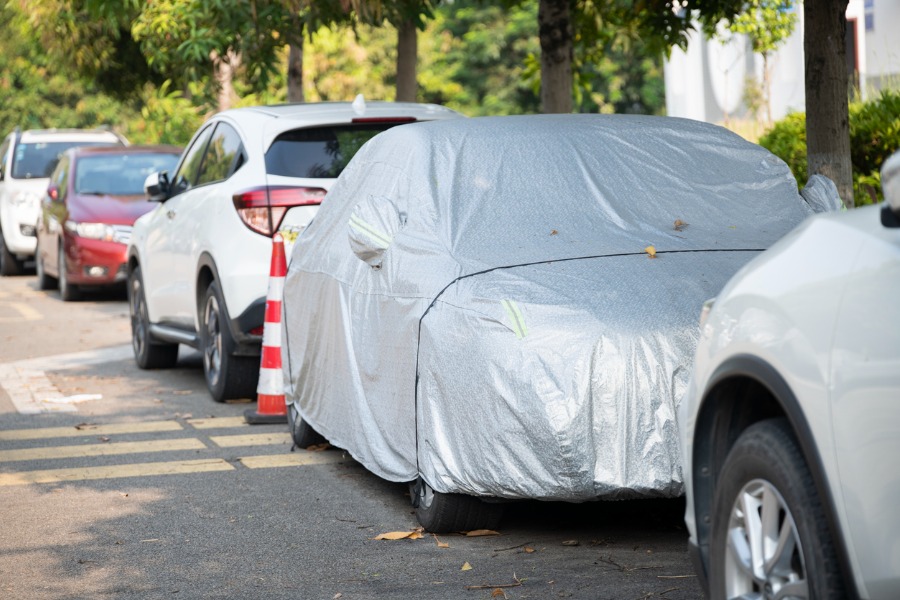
{"x":83,"y":426}
{"x":466,"y":567}
{"x":529,"y":549}
{"x":570,"y":543}
{"x":440,"y":544}
{"x":481,"y":532}
{"x":336,"y":596}
{"x":651,"y":251}
{"x":318,"y":447}
{"x":497,"y":593}
{"x":415,"y":534}
{"x":680,"y":225}
{"x":554,"y":232}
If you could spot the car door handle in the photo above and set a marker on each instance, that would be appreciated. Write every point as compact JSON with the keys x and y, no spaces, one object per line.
{"x":170,"y":214}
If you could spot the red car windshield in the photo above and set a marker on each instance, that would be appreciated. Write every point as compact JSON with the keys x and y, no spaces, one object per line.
{"x":119,"y":174}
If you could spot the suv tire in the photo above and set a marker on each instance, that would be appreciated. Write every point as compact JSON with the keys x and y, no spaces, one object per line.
{"x":766,"y":512}
{"x":228,"y":377}
{"x":147,"y":353}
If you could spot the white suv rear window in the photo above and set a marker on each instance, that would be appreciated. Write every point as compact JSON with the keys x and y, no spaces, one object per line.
{"x":34,"y":160}
{"x":319,"y":152}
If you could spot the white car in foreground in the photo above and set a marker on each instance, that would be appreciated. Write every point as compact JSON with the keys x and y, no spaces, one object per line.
{"x":791,"y":423}
{"x":26,"y":160}
{"x":199,"y":262}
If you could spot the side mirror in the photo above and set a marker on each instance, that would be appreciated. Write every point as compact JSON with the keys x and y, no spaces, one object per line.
{"x":156,"y":186}
{"x":890,"y":182}
{"x":371,"y":229}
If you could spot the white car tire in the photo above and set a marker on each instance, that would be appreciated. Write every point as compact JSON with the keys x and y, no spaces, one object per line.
{"x":228,"y":377}
{"x":769,"y":534}
{"x":147,"y":353}
{"x":9,"y":264}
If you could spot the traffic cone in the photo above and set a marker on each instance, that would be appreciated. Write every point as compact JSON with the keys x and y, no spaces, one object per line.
{"x":270,"y":403}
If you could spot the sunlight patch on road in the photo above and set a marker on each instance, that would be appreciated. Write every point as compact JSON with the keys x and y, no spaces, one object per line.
{"x":31,"y":392}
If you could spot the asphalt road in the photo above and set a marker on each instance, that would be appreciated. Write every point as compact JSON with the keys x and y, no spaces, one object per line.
{"x":122,"y":483}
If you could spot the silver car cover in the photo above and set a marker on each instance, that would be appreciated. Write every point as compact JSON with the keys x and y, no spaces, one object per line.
{"x":507,"y":306}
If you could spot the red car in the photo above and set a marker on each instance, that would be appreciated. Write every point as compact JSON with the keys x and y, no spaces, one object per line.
{"x":94,"y":197}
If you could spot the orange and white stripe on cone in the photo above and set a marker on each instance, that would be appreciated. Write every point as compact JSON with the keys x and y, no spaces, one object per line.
{"x":270,"y":390}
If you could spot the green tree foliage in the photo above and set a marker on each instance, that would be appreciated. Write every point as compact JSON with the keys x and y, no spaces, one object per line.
{"x":35,"y":92}
{"x":91,"y":37}
{"x":874,"y":135}
{"x":479,"y":59}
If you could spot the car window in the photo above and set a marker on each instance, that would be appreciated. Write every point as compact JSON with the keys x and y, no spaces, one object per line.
{"x":223,"y":155}
{"x":186,"y":177}
{"x":319,"y":151}
{"x":119,"y":174}
{"x":34,"y":160}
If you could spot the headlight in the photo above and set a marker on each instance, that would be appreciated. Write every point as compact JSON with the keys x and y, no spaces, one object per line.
{"x":99,"y":231}
{"x":26,"y":199}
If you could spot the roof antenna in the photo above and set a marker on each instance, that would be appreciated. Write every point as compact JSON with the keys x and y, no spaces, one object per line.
{"x":359,"y":105}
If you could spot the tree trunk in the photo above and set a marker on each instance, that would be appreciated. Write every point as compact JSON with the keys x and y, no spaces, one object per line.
{"x":295,"y":73}
{"x":407,"y":54}
{"x":555,"y":30}
{"x":827,"y":113}
{"x":224,"y":68}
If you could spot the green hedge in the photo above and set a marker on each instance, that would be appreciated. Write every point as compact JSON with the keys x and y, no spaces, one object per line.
{"x":874,"y":136}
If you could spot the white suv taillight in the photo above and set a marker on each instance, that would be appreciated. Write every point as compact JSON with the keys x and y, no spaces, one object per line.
{"x":262,"y":209}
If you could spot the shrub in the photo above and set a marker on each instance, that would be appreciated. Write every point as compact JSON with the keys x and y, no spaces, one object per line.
{"x":874,"y":136}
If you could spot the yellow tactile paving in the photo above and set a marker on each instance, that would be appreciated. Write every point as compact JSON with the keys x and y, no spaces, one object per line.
{"x":253,"y":439}
{"x":294,"y":459}
{"x":26,"y":313}
{"x":90,"y":430}
{"x":113,"y":472}
{"x":106,"y":449}
{"x":218,"y":422}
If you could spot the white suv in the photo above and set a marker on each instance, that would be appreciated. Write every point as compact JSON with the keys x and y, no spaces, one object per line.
{"x":26,"y":160}
{"x":791,"y":422}
{"x":199,"y":262}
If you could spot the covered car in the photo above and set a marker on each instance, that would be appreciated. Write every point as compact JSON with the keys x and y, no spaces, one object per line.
{"x":506,"y":307}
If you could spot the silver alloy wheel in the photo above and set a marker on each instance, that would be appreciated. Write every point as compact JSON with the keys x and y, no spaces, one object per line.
{"x":212,"y":351}
{"x":138,"y":317}
{"x":764,"y":558}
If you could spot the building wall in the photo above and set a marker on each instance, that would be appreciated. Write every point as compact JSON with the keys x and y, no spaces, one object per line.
{"x":707,"y":81}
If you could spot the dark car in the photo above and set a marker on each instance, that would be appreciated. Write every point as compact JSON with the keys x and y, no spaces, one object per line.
{"x":93,"y":199}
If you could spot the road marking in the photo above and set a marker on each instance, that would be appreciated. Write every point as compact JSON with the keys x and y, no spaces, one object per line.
{"x":31,"y":392}
{"x":26,"y":313}
{"x":108,"y":449}
{"x":294,"y":459}
{"x":90,"y":430}
{"x":218,"y":422}
{"x":255,"y":439}
{"x":113,"y":472}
